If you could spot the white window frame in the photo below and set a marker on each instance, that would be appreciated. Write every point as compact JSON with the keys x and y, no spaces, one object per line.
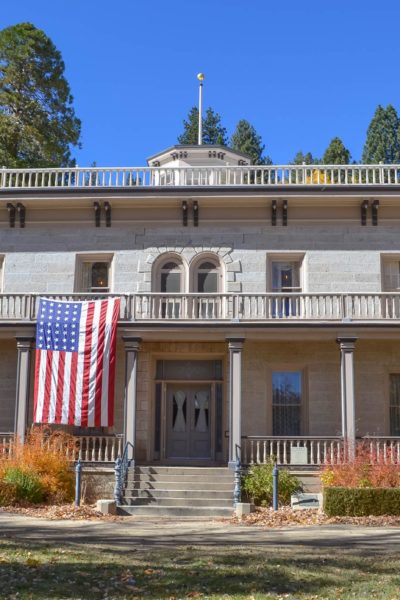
{"x":286,"y":257}
{"x":89,"y":259}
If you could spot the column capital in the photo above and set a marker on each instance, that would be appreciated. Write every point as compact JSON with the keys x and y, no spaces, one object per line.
{"x":347,"y":344}
{"x":235,"y":343}
{"x":131,"y":343}
{"x":24,"y":342}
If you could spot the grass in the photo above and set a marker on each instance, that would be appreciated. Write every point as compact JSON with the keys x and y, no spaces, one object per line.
{"x":40,"y":571}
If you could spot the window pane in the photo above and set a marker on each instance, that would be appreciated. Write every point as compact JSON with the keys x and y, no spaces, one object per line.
{"x":207,"y":370}
{"x":99,"y":275}
{"x":207,"y":283}
{"x":285,"y":276}
{"x":286,"y":387}
{"x":286,"y":403}
{"x":171,"y":283}
{"x":395,"y":404}
{"x":207,"y":266}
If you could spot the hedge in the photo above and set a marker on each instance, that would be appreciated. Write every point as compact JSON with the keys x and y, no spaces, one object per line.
{"x":361,"y":502}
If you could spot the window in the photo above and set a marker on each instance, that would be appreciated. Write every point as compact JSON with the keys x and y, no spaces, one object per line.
{"x":171,"y":277}
{"x":391,"y":274}
{"x":207,"y":278}
{"x":93,"y":274}
{"x":285,"y":277}
{"x":395,"y":404}
{"x":286,"y":402}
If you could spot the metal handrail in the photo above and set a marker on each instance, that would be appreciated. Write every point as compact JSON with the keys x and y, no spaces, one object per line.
{"x":121,"y":469}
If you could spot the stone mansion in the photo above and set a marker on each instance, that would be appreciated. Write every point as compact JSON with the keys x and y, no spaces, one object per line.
{"x":260,"y":306}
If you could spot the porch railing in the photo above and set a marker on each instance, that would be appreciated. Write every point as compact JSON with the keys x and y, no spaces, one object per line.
{"x":96,"y":448}
{"x":214,"y":176}
{"x":314,"y":451}
{"x":383,"y":306}
{"x":383,"y":450}
{"x":6,"y":443}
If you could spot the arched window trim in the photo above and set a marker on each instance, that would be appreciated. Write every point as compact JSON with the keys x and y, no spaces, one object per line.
{"x":160,"y":264}
{"x":195,"y":267}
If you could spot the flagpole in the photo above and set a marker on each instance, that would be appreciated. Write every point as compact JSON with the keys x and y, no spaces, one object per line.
{"x":200,"y":77}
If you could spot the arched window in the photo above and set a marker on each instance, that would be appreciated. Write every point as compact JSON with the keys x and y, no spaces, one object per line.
{"x":171,"y":277}
{"x":207,"y":278}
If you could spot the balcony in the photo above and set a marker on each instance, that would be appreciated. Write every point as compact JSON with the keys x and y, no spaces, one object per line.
{"x":224,"y":176}
{"x":191,"y":308}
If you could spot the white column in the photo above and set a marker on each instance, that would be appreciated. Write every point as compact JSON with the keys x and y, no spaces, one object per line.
{"x":235,"y":346}
{"x":24,"y":346}
{"x":132,"y":345}
{"x":347,"y":346}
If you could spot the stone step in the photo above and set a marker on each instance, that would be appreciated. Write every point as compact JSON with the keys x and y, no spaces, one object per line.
{"x":171,"y":484}
{"x":184,"y":494}
{"x":214,"y":480}
{"x":197,"y":471}
{"x":178,"y":501}
{"x":175,"y":511}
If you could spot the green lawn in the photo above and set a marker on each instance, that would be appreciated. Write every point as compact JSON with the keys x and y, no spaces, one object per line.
{"x":83,"y":571}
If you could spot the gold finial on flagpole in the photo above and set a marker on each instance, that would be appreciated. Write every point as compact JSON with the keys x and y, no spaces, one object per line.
{"x":200,"y":77}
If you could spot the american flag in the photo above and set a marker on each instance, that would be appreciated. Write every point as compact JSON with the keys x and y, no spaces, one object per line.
{"x":75,"y":362}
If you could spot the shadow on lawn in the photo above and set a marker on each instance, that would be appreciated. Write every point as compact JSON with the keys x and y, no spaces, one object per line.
{"x":92,"y":573}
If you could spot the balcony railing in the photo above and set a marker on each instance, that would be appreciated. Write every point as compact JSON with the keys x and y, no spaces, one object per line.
{"x":224,"y":176}
{"x":225,"y":307}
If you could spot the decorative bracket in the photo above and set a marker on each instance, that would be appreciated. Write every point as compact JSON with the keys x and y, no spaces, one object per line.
{"x":274,"y":209}
{"x":195,"y":213}
{"x":107,"y":210}
{"x":375,"y":206}
{"x":11,"y":214}
{"x":364,"y":212}
{"x":184,"y":213}
{"x":21,"y":213}
{"x":97,"y":213}
{"x":285,"y":212}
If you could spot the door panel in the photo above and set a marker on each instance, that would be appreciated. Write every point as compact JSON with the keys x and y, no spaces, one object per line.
{"x":188,"y":421}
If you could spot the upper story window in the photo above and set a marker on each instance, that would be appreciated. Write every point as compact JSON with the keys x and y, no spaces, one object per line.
{"x":93,"y":274}
{"x":391,"y":273}
{"x":171,"y":276}
{"x":207,"y":278}
{"x":285,"y":276}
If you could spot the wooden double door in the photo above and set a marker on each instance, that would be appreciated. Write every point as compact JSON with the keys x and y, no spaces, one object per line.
{"x":189,"y":421}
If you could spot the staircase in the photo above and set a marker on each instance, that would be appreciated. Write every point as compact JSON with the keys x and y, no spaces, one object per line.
{"x":178,"y":491}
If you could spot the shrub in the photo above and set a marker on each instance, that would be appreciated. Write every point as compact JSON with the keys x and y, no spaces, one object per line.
{"x":257,"y":484}
{"x":360,"y":502}
{"x":366,"y":470}
{"x":28,"y":486}
{"x":44,"y":455}
{"x":8,"y":493}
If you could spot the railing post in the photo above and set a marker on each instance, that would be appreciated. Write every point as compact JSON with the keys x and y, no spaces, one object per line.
{"x":237,"y":493}
{"x":118,"y":480}
{"x":78,"y":481}
{"x":275,"y":487}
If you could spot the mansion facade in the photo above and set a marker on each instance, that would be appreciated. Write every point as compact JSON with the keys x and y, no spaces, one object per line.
{"x":260,"y":306}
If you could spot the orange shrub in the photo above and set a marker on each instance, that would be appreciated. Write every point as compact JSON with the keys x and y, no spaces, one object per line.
{"x":367,"y":469}
{"x":44,"y":453}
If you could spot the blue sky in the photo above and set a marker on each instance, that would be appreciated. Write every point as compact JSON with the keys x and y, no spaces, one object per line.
{"x":300,"y":72}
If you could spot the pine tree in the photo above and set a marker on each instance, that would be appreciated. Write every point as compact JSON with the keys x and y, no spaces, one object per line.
{"x":213,"y":131}
{"x":38,"y":125}
{"x":383,"y":137}
{"x":336,"y":153}
{"x":246,"y":139}
{"x":305,"y":159}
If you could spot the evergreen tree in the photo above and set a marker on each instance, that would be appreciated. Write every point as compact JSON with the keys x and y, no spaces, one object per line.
{"x":246,"y":139}
{"x":383,"y":137}
{"x":213,"y":131}
{"x":336,"y":153}
{"x":305,"y":159}
{"x":37,"y":120}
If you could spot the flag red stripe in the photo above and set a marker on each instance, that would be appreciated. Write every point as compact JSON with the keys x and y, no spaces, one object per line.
{"x":72,"y":389}
{"x":47,"y":386}
{"x":111,"y":369}
{"x":99,"y":365}
{"x":36,"y":392}
{"x":86,"y":364}
{"x":60,"y":388}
